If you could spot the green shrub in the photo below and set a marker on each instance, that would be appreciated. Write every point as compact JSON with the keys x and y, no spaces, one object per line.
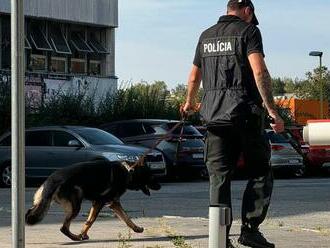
{"x":149,"y":101}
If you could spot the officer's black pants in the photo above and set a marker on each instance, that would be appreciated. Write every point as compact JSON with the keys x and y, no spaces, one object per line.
{"x":223,"y":148}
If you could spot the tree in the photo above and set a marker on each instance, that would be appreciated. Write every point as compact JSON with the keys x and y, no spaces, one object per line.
{"x":179,"y":93}
{"x":311,"y":87}
{"x":289,"y":86}
{"x":278,"y":86}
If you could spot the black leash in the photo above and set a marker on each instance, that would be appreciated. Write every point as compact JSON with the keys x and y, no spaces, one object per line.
{"x":180,"y":140}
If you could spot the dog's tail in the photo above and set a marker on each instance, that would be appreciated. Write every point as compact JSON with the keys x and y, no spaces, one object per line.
{"x":42,"y":200}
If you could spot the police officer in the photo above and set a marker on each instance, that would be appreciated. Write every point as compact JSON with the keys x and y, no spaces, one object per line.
{"x":230,"y":61}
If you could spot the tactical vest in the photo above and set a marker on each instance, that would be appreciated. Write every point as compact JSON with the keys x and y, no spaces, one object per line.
{"x":228,"y":81}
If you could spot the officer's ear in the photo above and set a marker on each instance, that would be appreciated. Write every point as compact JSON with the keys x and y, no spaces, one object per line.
{"x":250,"y":11}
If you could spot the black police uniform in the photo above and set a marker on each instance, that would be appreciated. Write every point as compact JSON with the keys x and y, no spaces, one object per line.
{"x":232,"y":109}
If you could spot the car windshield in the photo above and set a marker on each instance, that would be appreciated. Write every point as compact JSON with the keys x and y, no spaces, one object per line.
{"x":187,"y":130}
{"x":98,"y":137}
{"x":276,"y":138}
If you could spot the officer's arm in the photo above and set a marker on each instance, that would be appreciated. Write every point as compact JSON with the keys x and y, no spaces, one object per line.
{"x":194,"y":82}
{"x":263,"y":80}
{"x":264,"y":84}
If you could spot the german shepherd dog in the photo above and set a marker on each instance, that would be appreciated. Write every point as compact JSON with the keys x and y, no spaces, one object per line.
{"x":101,"y":182}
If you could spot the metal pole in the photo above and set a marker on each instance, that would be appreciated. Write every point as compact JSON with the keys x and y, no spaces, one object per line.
{"x":219,"y":220}
{"x":321,"y":83}
{"x":18,"y":123}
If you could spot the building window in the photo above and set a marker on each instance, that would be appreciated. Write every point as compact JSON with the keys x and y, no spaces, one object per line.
{"x":58,"y":40}
{"x":95,"y":67}
{"x":27,"y":44}
{"x":78,"y":66}
{"x":38,"y":62}
{"x":58,"y":64}
{"x":37,"y":57}
{"x":79,"y":43}
{"x":38,"y":38}
{"x":96,"y":44}
{"x":79,"y":48}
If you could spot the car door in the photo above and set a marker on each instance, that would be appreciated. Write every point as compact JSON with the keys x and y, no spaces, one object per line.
{"x":64,"y":154}
{"x":38,"y":153}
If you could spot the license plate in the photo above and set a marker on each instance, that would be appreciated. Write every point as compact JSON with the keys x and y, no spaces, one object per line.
{"x":294,"y":161}
{"x":156,"y":166}
{"x":198,"y":155}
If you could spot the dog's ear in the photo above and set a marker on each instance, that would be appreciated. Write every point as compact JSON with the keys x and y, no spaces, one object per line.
{"x":145,"y":190}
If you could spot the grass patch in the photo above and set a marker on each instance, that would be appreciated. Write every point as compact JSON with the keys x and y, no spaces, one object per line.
{"x":124,"y":240}
{"x":179,"y":242}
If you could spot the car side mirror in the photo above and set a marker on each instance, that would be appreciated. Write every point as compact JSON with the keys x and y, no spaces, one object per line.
{"x":74,"y":143}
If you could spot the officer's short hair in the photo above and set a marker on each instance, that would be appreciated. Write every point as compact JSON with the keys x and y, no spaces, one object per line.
{"x":237,"y":4}
{"x":233,"y":5}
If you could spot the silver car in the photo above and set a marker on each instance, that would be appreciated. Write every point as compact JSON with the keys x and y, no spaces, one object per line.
{"x":284,"y":158}
{"x":52,"y":148}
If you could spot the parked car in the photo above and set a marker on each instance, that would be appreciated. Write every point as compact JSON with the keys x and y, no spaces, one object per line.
{"x":184,"y":158}
{"x":51,"y":148}
{"x":295,"y":135}
{"x":202,"y":130}
{"x":316,"y":158}
{"x":284,"y":158}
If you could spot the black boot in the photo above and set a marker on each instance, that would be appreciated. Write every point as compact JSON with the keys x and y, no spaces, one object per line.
{"x":253,"y":238}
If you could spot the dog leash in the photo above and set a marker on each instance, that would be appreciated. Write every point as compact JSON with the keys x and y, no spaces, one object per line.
{"x":182,"y":122}
{"x":179,"y":142}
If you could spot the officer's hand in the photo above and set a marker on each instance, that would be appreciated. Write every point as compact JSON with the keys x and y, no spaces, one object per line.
{"x":278,"y":123}
{"x":186,"y":109}
{"x":189,"y":109}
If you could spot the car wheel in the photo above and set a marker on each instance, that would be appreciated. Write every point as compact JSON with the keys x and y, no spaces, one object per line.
{"x":5,"y":175}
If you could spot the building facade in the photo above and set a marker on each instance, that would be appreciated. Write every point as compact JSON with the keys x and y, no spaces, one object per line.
{"x":68,"y":44}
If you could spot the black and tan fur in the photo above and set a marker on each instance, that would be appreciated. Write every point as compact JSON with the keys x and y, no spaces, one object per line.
{"x":101,"y":182}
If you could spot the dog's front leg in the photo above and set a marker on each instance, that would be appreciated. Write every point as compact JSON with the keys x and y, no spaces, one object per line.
{"x":93,"y":213}
{"x":120,"y":212}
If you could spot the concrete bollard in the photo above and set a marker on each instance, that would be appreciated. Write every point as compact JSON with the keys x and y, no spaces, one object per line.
{"x":219,"y":219}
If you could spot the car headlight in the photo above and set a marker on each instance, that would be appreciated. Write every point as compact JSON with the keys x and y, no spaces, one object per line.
{"x":120,"y":157}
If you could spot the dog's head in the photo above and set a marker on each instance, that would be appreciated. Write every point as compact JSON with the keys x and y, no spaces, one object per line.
{"x":141,"y":178}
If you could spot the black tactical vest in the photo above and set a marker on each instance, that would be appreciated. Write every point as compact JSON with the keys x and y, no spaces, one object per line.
{"x":228,"y":81}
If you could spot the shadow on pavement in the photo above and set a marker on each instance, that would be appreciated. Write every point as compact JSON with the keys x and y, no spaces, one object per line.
{"x":151,"y":239}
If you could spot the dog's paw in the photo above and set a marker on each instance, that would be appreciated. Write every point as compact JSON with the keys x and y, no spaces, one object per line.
{"x":75,"y":237}
{"x":84,"y":237}
{"x":138,"y":229}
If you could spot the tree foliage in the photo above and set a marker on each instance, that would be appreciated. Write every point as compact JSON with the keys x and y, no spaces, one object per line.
{"x":278,"y":86}
{"x":142,"y":100}
{"x":311,"y":87}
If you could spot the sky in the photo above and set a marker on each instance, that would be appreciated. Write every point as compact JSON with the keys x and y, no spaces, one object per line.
{"x":156,"y":39}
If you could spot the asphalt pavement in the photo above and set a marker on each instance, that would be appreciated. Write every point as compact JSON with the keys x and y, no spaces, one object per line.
{"x":177,"y":216}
